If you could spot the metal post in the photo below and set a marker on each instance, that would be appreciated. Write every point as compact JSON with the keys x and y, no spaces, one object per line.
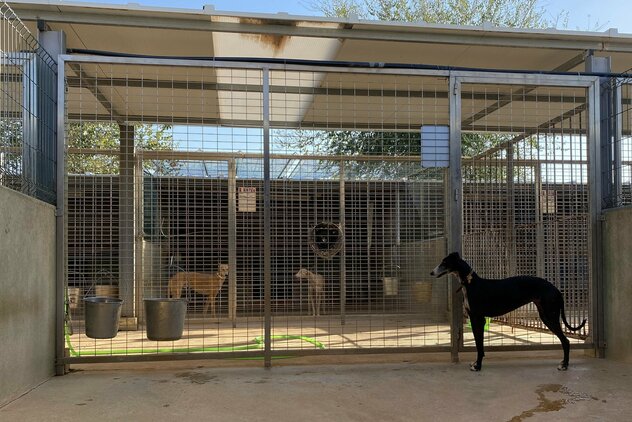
{"x":600,"y":101}
{"x":617,"y":132}
{"x":139,"y":235}
{"x":539,"y":222}
{"x":232,"y":241}
{"x":510,"y":234}
{"x":606,"y":132}
{"x":30,"y":134}
{"x":127,"y":245}
{"x":455,"y":211}
{"x":54,"y":43}
{"x":343,"y":264}
{"x":595,"y":236}
{"x":267,"y":264}
{"x":60,"y":227}
{"x":369,"y":231}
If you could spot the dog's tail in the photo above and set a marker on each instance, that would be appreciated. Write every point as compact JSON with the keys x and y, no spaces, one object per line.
{"x":579,"y":327}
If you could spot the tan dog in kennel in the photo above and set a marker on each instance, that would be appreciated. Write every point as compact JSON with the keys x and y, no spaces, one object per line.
{"x":204,"y":283}
{"x":315,"y":288}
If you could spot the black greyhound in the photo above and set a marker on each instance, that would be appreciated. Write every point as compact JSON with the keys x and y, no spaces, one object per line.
{"x":490,"y":298}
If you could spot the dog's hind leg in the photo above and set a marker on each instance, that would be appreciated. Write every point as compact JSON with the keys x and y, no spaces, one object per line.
{"x":551,"y":318}
{"x":566,"y":345}
{"x":478,"y":329}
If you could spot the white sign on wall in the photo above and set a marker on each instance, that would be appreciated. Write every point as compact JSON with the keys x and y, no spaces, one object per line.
{"x":247,"y":199}
{"x":435,"y":146}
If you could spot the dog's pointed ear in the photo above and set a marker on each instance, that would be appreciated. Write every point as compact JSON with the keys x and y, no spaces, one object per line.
{"x":455,"y":255}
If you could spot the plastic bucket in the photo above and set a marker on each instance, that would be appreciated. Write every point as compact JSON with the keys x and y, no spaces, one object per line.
{"x":165,"y":318}
{"x":102,"y":316}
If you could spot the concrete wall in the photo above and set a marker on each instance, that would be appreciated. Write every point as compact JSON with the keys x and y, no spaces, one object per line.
{"x":27,"y":293}
{"x":617,"y":236}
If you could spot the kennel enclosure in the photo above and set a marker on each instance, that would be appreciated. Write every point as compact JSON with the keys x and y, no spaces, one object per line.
{"x":353,"y":174}
{"x":364,"y":173}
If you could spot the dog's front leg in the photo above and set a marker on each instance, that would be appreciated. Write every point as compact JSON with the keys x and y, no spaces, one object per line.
{"x":207,"y":303}
{"x":478,"y":329}
{"x":211,"y":299}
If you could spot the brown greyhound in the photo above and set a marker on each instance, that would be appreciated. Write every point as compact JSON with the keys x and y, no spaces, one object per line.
{"x":204,"y":283}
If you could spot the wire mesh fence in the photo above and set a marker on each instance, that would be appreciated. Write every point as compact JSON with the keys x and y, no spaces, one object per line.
{"x":526,"y":195}
{"x":166,"y":198}
{"x":619,"y":192}
{"x":180,"y":192}
{"x":616,"y":137}
{"x":28,"y":78}
{"x":624,"y":174}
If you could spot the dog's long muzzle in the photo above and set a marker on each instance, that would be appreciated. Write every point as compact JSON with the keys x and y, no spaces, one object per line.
{"x":439,"y":271}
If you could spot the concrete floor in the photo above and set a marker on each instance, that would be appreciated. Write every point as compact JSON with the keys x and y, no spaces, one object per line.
{"x":511,"y":387}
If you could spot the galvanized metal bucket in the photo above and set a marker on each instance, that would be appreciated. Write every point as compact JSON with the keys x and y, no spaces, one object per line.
{"x":102,"y":316}
{"x":165,"y":318}
{"x":106,"y":290}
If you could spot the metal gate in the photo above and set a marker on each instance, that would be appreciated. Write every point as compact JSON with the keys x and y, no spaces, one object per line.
{"x":328,"y":194}
{"x":528,"y":166}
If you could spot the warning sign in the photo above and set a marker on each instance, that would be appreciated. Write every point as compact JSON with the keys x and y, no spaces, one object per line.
{"x":247,"y":199}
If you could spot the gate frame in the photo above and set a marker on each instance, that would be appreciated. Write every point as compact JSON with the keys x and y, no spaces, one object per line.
{"x":592,"y":86}
{"x":454,"y":201}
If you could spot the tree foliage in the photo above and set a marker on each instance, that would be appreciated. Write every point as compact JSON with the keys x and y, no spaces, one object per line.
{"x":104,"y":138}
{"x":10,"y":150}
{"x":101,"y":138}
{"x":509,"y":13}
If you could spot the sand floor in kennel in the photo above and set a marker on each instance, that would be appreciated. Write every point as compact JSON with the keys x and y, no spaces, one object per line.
{"x":303,"y":333}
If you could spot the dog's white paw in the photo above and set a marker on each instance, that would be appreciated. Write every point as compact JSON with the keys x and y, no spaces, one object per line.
{"x":562,"y":366}
{"x":474,"y":367}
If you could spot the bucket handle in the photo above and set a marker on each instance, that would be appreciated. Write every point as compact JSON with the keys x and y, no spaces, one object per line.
{"x":100,"y":275}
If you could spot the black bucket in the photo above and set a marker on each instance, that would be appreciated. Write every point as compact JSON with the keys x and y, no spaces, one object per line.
{"x":102,"y":316}
{"x":165,"y":318}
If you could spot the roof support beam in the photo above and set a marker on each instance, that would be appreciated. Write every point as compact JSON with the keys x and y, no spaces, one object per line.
{"x":306,"y":125}
{"x":522,"y":92}
{"x":376,"y":32}
{"x":78,"y":81}
{"x":87,"y":82}
{"x":573,"y":62}
{"x":580,"y":58}
{"x":546,"y":126}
